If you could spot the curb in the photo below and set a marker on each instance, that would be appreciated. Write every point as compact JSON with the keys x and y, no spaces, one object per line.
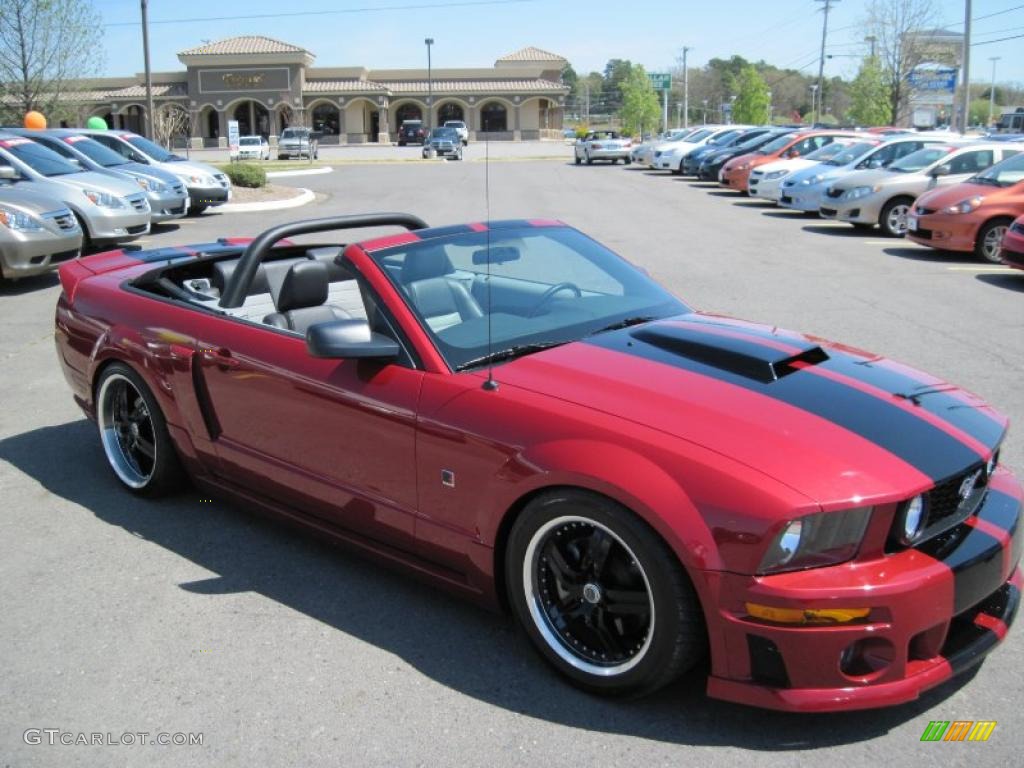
{"x":303,"y":172}
{"x":307,"y":196}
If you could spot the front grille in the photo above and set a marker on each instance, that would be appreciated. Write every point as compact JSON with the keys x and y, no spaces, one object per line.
{"x":64,"y":256}
{"x":946,"y":506}
{"x":834,"y":193}
{"x":136,"y":230}
{"x":64,"y":219}
{"x":922,"y":211}
{"x":828,"y":211}
{"x":923,"y":234}
{"x":221,"y":178}
{"x":178,"y":189}
{"x":139,"y":203}
{"x":786,"y":199}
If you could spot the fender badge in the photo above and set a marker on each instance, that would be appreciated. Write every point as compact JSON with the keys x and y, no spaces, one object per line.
{"x":447,"y":478}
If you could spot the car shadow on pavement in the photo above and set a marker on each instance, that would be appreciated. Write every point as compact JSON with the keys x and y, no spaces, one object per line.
{"x":919,"y":253}
{"x":785,"y":213}
{"x":28,"y":284}
{"x":454,"y":643}
{"x":1011,"y":281}
{"x":840,"y":230}
{"x":755,"y":204}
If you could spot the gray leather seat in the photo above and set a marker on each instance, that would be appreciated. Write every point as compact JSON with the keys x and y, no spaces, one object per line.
{"x":441,"y":299}
{"x":300,"y":300}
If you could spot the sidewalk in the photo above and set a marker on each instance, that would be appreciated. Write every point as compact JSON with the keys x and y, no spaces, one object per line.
{"x":355,"y":153}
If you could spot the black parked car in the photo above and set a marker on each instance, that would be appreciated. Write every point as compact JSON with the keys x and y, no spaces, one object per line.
{"x":412,"y":132}
{"x":712,"y":164}
{"x":691,"y":163}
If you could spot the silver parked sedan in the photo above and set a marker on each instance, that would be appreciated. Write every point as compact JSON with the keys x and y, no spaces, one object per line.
{"x":603,"y":145}
{"x":37,"y":233}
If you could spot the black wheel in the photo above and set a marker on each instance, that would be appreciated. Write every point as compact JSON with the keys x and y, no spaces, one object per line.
{"x":893,"y":218}
{"x":134,"y":434}
{"x":590,"y":160}
{"x":989,"y":244}
{"x":601,"y":596}
{"x":615,"y":161}
{"x":196,"y":210}
{"x":628,"y":161}
{"x":579,"y":160}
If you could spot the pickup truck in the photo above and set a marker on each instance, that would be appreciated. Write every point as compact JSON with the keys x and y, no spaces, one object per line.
{"x":298,"y":142}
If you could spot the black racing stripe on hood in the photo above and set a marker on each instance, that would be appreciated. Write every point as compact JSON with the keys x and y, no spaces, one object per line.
{"x":931,"y":450}
{"x":951,"y":409}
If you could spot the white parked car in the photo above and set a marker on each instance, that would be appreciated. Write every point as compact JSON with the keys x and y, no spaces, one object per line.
{"x":643,"y":153}
{"x":669,"y":157}
{"x":766,"y":181}
{"x":461,"y":128}
{"x":253,"y":148}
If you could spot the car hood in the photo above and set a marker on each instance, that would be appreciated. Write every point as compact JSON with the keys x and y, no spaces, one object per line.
{"x":789,"y":164}
{"x":827,"y":172}
{"x":189,"y":168}
{"x":834,"y":423}
{"x":881,"y":176}
{"x":943,"y":197}
{"x":33,"y":202}
{"x":92,"y":180}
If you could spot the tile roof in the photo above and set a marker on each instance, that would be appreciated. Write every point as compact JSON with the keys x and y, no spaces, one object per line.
{"x":532,"y":54}
{"x":243,"y":44}
{"x":476,"y":86}
{"x":342,"y":86}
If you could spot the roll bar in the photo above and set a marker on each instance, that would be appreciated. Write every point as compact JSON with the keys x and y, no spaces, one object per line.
{"x":238,"y":285}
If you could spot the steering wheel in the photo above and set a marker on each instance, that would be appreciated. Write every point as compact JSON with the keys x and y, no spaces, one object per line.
{"x":550,"y":293}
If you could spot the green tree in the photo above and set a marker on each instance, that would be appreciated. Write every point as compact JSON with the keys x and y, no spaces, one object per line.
{"x":869,"y":94}
{"x":44,"y":46}
{"x":616,"y":72}
{"x":751,"y":105}
{"x":640,"y":108}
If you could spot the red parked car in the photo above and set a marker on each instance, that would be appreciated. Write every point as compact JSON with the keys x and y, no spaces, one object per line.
{"x":513,"y":412}
{"x":1013,"y":245}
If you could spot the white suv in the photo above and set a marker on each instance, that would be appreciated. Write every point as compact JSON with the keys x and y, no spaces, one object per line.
{"x":459,"y":126}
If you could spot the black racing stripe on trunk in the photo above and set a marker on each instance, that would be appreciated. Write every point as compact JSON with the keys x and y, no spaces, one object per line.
{"x":970,"y":420}
{"x":932,"y":451}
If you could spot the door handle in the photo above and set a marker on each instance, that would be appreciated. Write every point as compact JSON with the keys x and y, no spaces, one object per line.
{"x":221,"y":358}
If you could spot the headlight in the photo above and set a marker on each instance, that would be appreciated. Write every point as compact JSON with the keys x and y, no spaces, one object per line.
{"x":859,"y":192}
{"x":103,"y":199}
{"x":912,"y":518}
{"x":775,"y":174}
{"x":19,"y":221}
{"x":813,"y":180}
{"x":672,"y":151}
{"x":965,"y":206}
{"x":151,"y":185}
{"x":990,"y":467}
{"x":824,"y":538}
{"x":202,"y":181}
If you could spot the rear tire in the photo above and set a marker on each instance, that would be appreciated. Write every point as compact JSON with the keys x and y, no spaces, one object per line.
{"x":134,"y":434}
{"x":601,"y":596}
{"x":988,"y":245}
{"x":628,"y":161}
{"x":590,"y":160}
{"x":579,"y":160}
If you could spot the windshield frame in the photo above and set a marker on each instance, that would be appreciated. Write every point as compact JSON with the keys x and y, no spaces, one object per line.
{"x":663,"y":304}
{"x":947,"y":152}
{"x":87,"y":147}
{"x":1013,"y":163}
{"x":66,"y":167}
{"x":150,"y":149}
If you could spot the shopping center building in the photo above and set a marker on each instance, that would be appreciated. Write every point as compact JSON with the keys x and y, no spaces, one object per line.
{"x":267,"y":85}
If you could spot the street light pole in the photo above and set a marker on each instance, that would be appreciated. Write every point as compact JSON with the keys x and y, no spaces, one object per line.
{"x":821,"y":60}
{"x":686,"y":90}
{"x":149,"y":79}
{"x":770,"y":109}
{"x":966,"y":95}
{"x":430,"y":86}
{"x":814,"y":102}
{"x":992,"y":90}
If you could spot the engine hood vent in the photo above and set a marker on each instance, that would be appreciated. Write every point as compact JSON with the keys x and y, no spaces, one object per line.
{"x":755,"y":358}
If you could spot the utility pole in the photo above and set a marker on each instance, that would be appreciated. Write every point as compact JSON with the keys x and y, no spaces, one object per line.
{"x":149,"y":126}
{"x":871,"y":39}
{"x":821,"y":60}
{"x":586,"y":107}
{"x":686,"y":90}
{"x":966,"y":95}
{"x":679,"y":109}
{"x":992,"y":90}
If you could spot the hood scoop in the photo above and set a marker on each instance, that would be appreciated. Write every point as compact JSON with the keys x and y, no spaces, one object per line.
{"x":754,"y":357}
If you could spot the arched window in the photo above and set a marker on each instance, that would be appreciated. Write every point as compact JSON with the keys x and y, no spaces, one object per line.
{"x":407,"y":112}
{"x":326,"y":119}
{"x":449,"y":111}
{"x":493,"y":117}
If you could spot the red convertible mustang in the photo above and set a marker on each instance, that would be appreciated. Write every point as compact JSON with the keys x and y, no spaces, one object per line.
{"x":512,"y":411}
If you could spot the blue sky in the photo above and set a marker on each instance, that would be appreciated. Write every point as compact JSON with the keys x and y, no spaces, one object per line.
{"x":782,"y":32}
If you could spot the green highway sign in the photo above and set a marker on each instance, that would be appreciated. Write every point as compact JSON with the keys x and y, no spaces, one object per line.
{"x":660,"y":81}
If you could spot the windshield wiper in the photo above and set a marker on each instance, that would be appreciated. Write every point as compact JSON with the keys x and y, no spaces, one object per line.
{"x":624,"y":323}
{"x":509,"y":353}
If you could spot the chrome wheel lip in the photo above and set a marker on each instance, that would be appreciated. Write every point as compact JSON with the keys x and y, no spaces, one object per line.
{"x":113,"y":445}
{"x":542,"y":621}
{"x":993,"y":242}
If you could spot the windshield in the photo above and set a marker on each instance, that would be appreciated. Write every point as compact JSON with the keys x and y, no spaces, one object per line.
{"x":724,"y":138}
{"x":455,"y":124}
{"x":39,"y":158}
{"x":1004,"y":174}
{"x":249,"y":141}
{"x":775,"y":146}
{"x":754,"y":143}
{"x":547,"y":285}
{"x":824,"y":153}
{"x":444,"y":133}
{"x":851,"y":152}
{"x":96,"y":152}
{"x":292,"y":133}
{"x":155,"y":151}
{"x":698,"y":135}
{"x":920,"y":160}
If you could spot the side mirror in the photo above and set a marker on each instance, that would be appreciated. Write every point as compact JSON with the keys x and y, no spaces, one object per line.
{"x":9,"y":173}
{"x":350,"y":339}
{"x":793,"y":153}
{"x":942,"y":170}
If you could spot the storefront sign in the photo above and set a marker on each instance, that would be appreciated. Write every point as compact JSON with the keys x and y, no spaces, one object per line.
{"x":244,"y":79}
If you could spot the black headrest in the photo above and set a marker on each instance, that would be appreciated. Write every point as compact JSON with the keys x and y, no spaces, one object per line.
{"x":222,"y":271}
{"x":424,"y":263}
{"x":304,"y":285}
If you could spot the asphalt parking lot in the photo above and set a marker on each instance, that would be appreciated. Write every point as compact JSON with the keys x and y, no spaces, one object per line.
{"x":191,"y":616}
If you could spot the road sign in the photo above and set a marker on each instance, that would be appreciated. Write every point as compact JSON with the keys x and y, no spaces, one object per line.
{"x":660,"y":81}
{"x":938,"y":79}
{"x":233,"y":137}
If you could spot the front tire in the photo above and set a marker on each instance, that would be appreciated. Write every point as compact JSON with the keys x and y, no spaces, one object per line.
{"x":988,"y":245}
{"x":579,"y":160}
{"x":601,"y":597}
{"x":893,"y":219}
{"x":134,"y":434}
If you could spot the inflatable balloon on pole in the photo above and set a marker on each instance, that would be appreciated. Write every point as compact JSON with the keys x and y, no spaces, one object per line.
{"x":35,"y":121}
{"x":96,"y":123}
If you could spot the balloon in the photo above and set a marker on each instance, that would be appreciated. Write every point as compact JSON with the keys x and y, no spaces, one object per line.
{"x":97,"y":123}
{"x":35,"y":121}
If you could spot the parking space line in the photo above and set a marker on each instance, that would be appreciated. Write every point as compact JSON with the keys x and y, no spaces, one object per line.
{"x":894,"y":241}
{"x":979,"y":269}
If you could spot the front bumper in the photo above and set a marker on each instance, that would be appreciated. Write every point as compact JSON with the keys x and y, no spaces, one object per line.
{"x":168,"y":205}
{"x":609,"y":154}
{"x":735,"y":179}
{"x":666,"y":162}
{"x":809,"y":198}
{"x":949,"y":232}
{"x":443,"y":150}
{"x":935,"y":611}
{"x":31,"y":253}
{"x":1013,"y":249}
{"x":863,"y":210}
{"x":204,"y":196}
{"x":764,"y":188}
{"x":293,"y":150}
{"x":116,"y":225}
